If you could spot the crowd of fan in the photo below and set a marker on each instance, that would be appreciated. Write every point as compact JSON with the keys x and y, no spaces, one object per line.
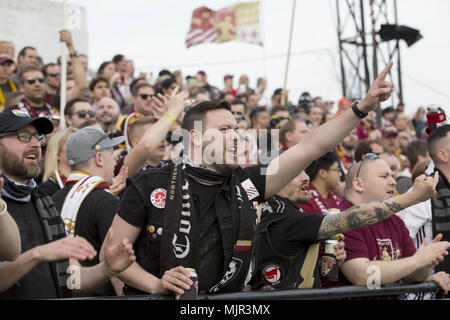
{"x":120,"y":103}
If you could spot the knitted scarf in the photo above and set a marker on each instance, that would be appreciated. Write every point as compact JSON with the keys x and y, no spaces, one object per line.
{"x":179,"y":241}
{"x":440,"y":210}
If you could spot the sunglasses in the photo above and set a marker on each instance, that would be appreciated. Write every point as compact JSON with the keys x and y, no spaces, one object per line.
{"x":146,"y":96}
{"x":25,"y":136}
{"x":367,"y":156}
{"x":83,"y":114}
{"x":55,"y":75}
{"x":33,"y":80}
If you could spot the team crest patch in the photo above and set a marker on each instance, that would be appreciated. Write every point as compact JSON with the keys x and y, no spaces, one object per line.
{"x":20,"y":113}
{"x":272,"y":274}
{"x":158,"y":198}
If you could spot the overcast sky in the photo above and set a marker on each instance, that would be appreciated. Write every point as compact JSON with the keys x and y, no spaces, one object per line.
{"x":152,"y":33}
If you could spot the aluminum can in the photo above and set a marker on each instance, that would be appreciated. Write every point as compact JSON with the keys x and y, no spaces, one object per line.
{"x":192,"y":293}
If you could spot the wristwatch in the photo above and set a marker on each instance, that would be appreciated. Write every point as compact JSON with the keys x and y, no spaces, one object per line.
{"x":72,"y":55}
{"x":358,"y":112}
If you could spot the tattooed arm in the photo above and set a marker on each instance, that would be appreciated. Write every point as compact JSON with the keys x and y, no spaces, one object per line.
{"x":375,"y":211}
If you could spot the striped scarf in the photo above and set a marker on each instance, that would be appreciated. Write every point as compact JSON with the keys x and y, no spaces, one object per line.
{"x":440,"y":213}
{"x":53,"y":230}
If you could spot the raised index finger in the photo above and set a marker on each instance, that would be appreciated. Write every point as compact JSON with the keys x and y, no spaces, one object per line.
{"x":383,"y":73}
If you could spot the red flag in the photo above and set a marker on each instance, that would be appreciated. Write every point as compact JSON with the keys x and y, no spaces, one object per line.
{"x":202,"y":29}
{"x":237,"y":22}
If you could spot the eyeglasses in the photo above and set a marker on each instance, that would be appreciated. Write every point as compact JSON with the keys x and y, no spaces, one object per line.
{"x":146,"y":96}
{"x":83,"y":114}
{"x":33,"y":80}
{"x":25,"y":136}
{"x":55,"y":75}
{"x":367,"y":156}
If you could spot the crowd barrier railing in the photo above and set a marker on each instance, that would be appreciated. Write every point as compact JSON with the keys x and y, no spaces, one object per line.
{"x":304,"y":294}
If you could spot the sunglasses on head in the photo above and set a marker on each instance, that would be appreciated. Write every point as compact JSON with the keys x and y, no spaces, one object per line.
{"x":146,"y":96}
{"x":83,"y":114}
{"x":25,"y":136}
{"x":367,"y":156}
{"x":33,"y":80}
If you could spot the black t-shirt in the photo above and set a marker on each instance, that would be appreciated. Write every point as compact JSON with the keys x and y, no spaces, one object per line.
{"x":94,"y":217}
{"x":49,"y":187}
{"x":296,"y":230}
{"x":210,"y":252}
{"x":93,"y":221}
{"x":39,"y":282}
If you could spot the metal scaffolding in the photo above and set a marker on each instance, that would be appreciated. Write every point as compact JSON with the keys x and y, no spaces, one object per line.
{"x":360,"y":48}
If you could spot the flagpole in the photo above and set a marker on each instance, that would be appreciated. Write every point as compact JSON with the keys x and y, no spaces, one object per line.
{"x":263,"y":36}
{"x":63,"y":96}
{"x":283,"y":97}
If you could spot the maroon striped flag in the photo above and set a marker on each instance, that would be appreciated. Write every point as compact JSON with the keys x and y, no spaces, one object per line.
{"x":238,"y":22}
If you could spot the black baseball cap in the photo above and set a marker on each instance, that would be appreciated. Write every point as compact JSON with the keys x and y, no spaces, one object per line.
{"x":14,"y":119}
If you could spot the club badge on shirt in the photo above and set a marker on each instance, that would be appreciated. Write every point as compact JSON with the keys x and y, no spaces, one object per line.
{"x":250,"y":188}
{"x":158,"y":198}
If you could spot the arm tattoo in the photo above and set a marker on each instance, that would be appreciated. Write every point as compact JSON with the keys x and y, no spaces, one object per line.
{"x":357,"y":216}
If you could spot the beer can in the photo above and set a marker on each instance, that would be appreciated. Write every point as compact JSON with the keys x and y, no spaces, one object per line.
{"x":192,"y":293}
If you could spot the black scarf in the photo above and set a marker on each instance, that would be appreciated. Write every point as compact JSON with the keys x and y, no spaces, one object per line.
{"x":440,"y":210}
{"x":17,"y":191}
{"x":180,"y":234}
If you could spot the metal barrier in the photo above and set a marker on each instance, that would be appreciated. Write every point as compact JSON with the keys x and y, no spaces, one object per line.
{"x":301,"y":294}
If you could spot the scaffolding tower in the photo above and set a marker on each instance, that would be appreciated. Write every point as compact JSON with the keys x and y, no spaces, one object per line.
{"x":361,"y":50}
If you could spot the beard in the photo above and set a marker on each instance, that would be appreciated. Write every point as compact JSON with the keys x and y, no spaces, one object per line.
{"x":16,"y":167}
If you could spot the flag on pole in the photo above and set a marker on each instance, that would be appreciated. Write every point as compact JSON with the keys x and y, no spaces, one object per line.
{"x":238,"y":22}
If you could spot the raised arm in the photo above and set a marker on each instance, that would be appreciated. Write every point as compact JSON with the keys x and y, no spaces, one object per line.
{"x":81,"y":83}
{"x":375,"y":211}
{"x":322,"y":139}
{"x":156,"y":133}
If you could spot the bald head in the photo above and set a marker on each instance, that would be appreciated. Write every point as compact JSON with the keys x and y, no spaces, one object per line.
{"x":369,"y":180}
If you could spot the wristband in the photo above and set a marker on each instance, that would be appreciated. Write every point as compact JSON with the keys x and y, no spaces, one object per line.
{"x":73,"y":55}
{"x":358,"y":112}
{"x":5,"y":208}
{"x":171,"y":118}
